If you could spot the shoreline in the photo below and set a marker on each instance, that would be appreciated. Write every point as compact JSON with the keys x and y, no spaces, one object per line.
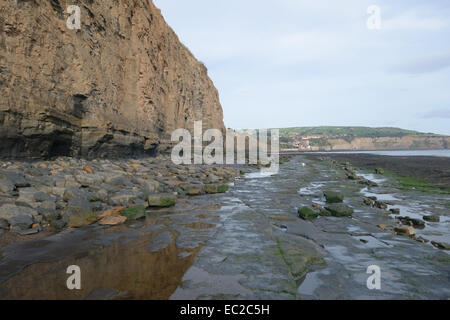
{"x":432,"y":170}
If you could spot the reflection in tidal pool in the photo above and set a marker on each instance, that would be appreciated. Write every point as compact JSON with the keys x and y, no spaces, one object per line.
{"x":120,"y":270}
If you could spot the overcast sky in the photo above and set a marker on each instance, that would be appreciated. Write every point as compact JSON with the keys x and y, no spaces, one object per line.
{"x":285,"y":63}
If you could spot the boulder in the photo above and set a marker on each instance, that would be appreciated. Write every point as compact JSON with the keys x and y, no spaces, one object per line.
{"x":412,"y":222}
{"x":405,"y":231}
{"x":214,"y":188}
{"x":21,"y":222}
{"x":4,"y":224}
{"x":6,"y":186}
{"x":380,"y":205}
{"x":81,"y":219}
{"x":88,"y":169}
{"x":8,"y":211}
{"x":339,"y":210}
{"x":43,"y":197}
{"x":122,"y":199}
{"x":194,"y":189}
{"x":134,"y":213}
{"x":333,"y":196}
{"x":307,"y":213}
{"x":324,"y":212}
{"x":15,"y":177}
{"x":150,"y":185}
{"x":368,"y":202}
{"x":162,"y":200}
{"x":28,"y":232}
{"x":58,"y":224}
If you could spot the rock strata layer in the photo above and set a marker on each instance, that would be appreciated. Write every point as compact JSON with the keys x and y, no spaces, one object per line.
{"x":118,"y":86}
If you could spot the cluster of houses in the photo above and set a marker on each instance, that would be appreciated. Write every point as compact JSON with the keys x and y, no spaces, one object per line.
{"x":300,"y":142}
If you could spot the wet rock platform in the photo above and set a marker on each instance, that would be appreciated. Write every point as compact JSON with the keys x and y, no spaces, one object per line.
{"x":246,"y":243}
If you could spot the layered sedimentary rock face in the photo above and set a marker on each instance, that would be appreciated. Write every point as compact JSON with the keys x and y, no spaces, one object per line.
{"x":118,"y":86}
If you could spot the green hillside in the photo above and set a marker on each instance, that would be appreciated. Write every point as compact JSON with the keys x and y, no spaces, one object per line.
{"x":350,"y":132}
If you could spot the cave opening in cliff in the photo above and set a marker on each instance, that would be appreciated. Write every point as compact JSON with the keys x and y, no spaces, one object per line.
{"x":61,"y":146}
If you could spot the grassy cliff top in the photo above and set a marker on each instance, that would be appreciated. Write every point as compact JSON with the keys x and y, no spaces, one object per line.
{"x":348,"y":131}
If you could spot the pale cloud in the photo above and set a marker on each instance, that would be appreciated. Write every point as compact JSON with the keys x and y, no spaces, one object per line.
{"x":413,"y":21}
{"x":431,"y":63}
{"x":301,"y":62}
{"x":437,"y":114}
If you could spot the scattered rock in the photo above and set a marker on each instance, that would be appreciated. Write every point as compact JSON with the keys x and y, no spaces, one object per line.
{"x":17,"y":178}
{"x":421,"y":240}
{"x":20,"y":222}
{"x":112,"y":220}
{"x":58,"y":224}
{"x":307,"y":213}
{"x":111,"y":212}
{"x":42,"y":197}
{"x":88,"y":169}
{"x":213,"y":188}
{"x":324,"y":212}
{"x":4,"y":225}
{"x":122,"y":199}
{"x":134,"y":213}
{"x":405,"y":231}
{"x":395,"y":211}
{"x":412,"y":222}
{"x":81,"y":220}
{"x":134,"y":165}
{"x":380,"y":205}
{"x":339,"y":210}
{"x":195,"y":190}
{"x":432,"y":218}
{"x":48,"y":212}
{"x":8,"y":211}
{"x":441,"y":245}
{"x":316,"y":206}
{"x":352,"y":176}
{"x":333,"y":197}
{"x":28,"y":232}
{"x":6,"y":186}
{"x":150,"y":186}
{"x":369,"y":202}
{"x":161,"y":200}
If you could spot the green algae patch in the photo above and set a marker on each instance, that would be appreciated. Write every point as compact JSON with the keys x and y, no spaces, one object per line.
{"x":333,"y":196}
{"x":134,"y":213}
{"x":299,"y":260}
{"x":307,"y":213}
{"x":339,"y":210}
{"x":212,"y":188}
{"x":412,"y":183}
{"x":162,"y":201}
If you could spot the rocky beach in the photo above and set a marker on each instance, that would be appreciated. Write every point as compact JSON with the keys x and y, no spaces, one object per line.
{"x":148,"y":229}
{"x":100,"y":102}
